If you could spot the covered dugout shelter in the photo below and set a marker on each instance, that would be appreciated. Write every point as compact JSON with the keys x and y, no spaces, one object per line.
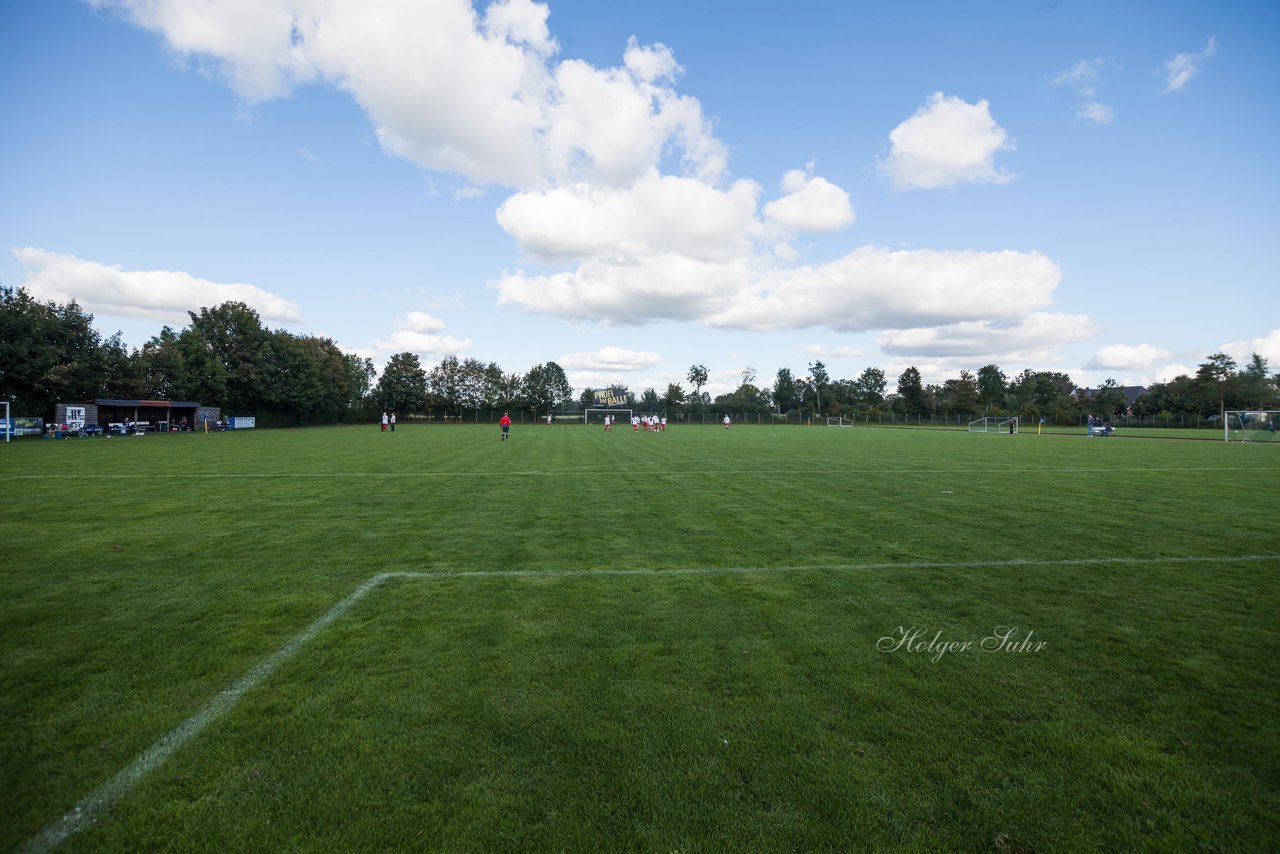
{"x":155,"y":414}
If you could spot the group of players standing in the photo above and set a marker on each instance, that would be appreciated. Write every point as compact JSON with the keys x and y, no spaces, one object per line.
{"x":649,"y":423}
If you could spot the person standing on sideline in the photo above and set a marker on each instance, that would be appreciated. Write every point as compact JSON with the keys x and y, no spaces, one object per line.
{"x":548,"y":419}
{"x":393,"y":422}
{"x":726,"y":422}
{"x":505,"y":423}
{"x":384,"y":422}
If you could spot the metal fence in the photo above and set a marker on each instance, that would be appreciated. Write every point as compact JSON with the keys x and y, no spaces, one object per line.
{"x":711,"y":416}
{"x":810,"y":418}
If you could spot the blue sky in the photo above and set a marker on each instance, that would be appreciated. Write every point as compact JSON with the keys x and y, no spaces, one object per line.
{"x":630,"y":189}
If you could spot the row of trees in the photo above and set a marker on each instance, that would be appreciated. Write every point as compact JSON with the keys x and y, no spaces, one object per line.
{"x":989,"y":391}
{"x":456,"y":385}
{"x":1217,"y":385}
{"x":225,"y":357}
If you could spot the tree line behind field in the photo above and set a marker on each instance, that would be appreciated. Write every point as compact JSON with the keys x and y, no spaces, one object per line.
{"x":1218,"y":384}
{"x":225,"y":357}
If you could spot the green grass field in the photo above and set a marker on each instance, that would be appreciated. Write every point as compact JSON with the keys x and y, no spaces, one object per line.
{"x":681,"y":642}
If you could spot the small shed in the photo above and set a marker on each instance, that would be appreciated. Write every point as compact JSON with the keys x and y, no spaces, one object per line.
{"x":155,"y":414}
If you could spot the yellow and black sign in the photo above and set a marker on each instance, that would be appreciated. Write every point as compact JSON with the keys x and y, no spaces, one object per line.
{"x":616,"y":396}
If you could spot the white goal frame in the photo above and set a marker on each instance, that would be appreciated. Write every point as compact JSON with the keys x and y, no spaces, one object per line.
{"x":607,"y":410}
{"x":839,"y":421}
{"x":1238,"y":422}
{"x":8,"y":427}
{"x":994,"y":424}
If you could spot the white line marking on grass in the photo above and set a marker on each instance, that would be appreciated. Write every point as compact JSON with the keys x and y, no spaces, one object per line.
{"x":836,"y":567}
{"x":87,"y":811}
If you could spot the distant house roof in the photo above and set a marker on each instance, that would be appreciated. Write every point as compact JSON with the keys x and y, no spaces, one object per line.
{"x":1130,"y":392}
{"x":159,"y":404}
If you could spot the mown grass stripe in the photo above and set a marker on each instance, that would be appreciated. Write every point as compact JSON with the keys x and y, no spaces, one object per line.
{"x":665,"y":473}
{"x":87,"y":810}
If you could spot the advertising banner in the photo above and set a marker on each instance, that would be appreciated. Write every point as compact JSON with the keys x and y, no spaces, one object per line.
{"x":614,"y":396}
{"x":23,"y":426}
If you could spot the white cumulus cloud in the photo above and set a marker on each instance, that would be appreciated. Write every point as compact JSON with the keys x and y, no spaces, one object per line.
{"x":164,"y":295}
{"x":420,"y":321}
{"x":1267,"y":346}
{"x":946,"y":142}
{"x":869,"y":288}
{"x":658,"y":214}
{"x":873,"y":287}
{"x":1124,"y":357}
{"x":449,"y":90}
{"x":620,"y":203}
{"x":423,"y":343}
{"x":1166,"y":373}
{"x":608,"y":359}
{"x":650,"y":63}
{"x":628,"y":291}
{"x":1030,"y":339}
{"x":824,"y":352}
{"x":810,"y":204}
{"x":423,"y":334}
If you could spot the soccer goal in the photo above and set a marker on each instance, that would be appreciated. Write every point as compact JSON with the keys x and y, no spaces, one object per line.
{"x":1255,"y":425}
{"x":596,"y":416}
{"x":994,"y":424}
{"x":8,"y":426}
{"x":839,"y":421}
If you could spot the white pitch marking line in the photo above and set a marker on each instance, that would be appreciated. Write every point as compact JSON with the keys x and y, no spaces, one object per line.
{"x":86,"y":812}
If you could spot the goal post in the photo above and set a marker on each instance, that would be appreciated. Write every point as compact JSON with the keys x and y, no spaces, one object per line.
{"x":1251,"y":425}
{"x":839,"y":421}
{"x":8,"y":424}
{"x":995,"y":424}
{"x":596,"y":415}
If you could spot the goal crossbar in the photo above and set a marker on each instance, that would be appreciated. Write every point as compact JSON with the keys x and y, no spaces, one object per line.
{"x":994,"y":424}
{"x":596,"y":415}
{"x":1251,"y":425}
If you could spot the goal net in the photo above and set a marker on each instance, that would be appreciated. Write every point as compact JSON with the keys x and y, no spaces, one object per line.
{"x":596,"y":416}
{"x":8,"y":425}
{"x":994,"y":424}
{"x":1255,"y":425}
{"x":839,"y":421}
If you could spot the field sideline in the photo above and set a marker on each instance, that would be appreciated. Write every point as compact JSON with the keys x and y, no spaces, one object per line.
{"x":689,"y":641}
